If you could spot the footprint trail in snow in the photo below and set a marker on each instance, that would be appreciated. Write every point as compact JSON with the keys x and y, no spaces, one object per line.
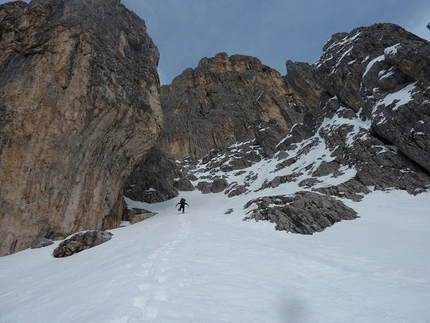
{"x":153,"y":275}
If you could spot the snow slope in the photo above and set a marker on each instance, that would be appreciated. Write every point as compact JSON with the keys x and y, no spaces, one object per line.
{"x":206,"y":266}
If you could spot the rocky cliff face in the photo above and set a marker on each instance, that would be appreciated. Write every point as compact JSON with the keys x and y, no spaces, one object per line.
{"x":223,"y":101}
{"x":226,"y":100}
{"x":361,"y":124}
{"x":371,"y":131}
{"x":79,"y":107}
{"x":382,"y":73}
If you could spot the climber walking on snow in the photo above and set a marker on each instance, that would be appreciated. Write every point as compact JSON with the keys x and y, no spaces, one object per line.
{"x":182,"y":203}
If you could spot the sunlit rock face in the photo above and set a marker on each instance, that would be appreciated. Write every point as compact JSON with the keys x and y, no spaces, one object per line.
{"x":79,"y":108}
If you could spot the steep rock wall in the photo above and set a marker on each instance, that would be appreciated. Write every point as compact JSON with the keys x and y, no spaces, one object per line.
{"x":225,"y":100}
{"x":79,"y":107}
{"x":384,"y":72}
{"x":366,"y":100}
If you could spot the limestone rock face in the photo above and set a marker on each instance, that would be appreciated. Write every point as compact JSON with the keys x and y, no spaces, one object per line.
{"x":79,"y":108}
{"x":300,"y":78}
{"x":225,"y":100}
{"x":385,"y":71}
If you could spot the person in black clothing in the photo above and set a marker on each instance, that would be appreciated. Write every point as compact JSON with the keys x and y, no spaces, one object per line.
{"x":182,"y":204}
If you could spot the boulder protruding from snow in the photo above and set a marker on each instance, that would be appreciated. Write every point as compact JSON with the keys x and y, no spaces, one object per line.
{"x":81,"y":241}
{"x":41,"y":243}
{"x":303,"y":213}
{"x":184,"y":184}
{"x":136,"y":215}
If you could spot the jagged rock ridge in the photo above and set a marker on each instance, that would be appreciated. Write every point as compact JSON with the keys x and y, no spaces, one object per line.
{"x":79,"y":109}
{"x":373,"y":117}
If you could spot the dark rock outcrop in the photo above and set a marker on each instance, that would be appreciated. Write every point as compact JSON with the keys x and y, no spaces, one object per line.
{"x":79,"y":106}
{"x":219,"y":185}
{"x":135,"y":215}
{"x":184,"y":184}
{"x":301,"y":80}
{"x":155,"y":182}
{"x":373,"y":115}
{"x":81,"y":241}
{"x":304,"y":213}
{"x":385,"y":71}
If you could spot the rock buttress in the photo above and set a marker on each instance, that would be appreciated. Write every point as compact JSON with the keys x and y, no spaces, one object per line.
{"x":79,"y":108}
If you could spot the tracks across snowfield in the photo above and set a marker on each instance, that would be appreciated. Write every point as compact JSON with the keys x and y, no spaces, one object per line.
{"x":207,"y":266}
{"x":194,"y":269}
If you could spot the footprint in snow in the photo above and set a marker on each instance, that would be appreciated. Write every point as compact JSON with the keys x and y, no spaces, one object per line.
{"x":144,"y":273}
{"x":161,"y":296}
{"x":144,"y":287}
{"x":162,"y":279}
{"x":153,"y":256}
{"x":151,"y":312}
{"x":147,"y":264}
{"x":140,"y":301}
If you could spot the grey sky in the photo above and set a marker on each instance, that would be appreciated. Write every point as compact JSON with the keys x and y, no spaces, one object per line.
{"x":272,"y":30}
{"x":185,"y":31}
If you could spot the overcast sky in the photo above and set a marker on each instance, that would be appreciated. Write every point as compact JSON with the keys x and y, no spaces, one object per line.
{"x":185,"y":31}
{"x":272,"y":30}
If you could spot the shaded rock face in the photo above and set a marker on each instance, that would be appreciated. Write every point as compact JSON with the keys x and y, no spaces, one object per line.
{"x":79,"y":107}
{"x":155,"y":182}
